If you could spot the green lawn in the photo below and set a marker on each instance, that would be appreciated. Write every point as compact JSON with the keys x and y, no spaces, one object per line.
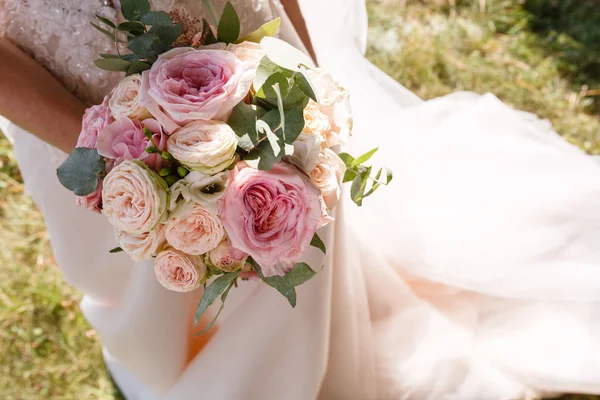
{"x":541,"y":56}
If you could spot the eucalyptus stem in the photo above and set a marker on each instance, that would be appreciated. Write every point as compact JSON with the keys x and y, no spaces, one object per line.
{"x":210,"y":9}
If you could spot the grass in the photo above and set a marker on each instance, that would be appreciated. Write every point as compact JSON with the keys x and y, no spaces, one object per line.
{"x":541,"y":56}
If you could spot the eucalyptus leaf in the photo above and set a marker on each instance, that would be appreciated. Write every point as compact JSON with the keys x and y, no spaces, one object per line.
{"x":137,"y":67}
{"x":294,"y":122}
{"x":347,"y":159}
{"x":262,"y":156}
{"x":146,"y":46}
{"x":349,"y":176}
{"x":355,"y":193}
{"x":134,"y":10}
{"x":304,"y":84}
{"x":212,"y":291}
{"x":79,"y":173}
{"x":285,"y":55}
{"x":318,"y":243}
{"x":265,"y":69}
{"x":167,"y":34}
{"x":243,"y":122}
{"x":268,"y":29}
{"x":106,"y":21}
{"x":363,"y":158}
{"x":116,"y":250}
{"x":155,"y":18}
{"x":108,"y":55}
{"x":131,"y":26}
{"x":301,"y":273}
{"x":112,"y":64}
{"x":106,"y":33}
{"x":223,"y":299}
{"x":229,"y":25}
{"x":130,"y":57}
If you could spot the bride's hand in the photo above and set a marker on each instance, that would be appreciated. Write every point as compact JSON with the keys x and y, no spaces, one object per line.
{"x":292,"y":9}
{"x":33,"y":99}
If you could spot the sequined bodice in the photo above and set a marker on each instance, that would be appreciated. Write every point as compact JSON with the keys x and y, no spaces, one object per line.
{"x":58,"y":34}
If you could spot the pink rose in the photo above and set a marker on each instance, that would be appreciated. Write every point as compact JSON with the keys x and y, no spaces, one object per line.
{"x":94,"y":120}
{"x":178,"y":271}
{"x":271,"y":215}
{"x":194,"y":229}
{"x":189,"y":84}
{"x":92,"y":201}
{"x":124,"y":139}
{"x":226,"y":258}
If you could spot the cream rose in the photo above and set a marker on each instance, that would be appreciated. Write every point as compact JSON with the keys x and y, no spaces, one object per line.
{"x":306,"y":151}
{"x":194,"y":229}
{"x":316,"y":123}
{"x":248,"y":52}
{"x":199,"y":188}
{"x":142,"y":246}
{"x":334,"y":102}
{"x":134,"y":197}
{"x":328,"y":175}
{"x":178,"y":271}
{"x":124,"y":101}
{"x":205,"y":146}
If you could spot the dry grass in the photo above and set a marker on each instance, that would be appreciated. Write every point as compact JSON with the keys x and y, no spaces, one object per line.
{"x":536,"y":56}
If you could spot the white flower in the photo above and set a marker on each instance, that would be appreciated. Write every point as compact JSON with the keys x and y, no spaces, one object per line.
{"x":200,"y":188}
{"x":124,"y":101}
{"x":306,"y":151}
{"x":142,"y":246}
{"x":134,"y":198}
{"x":205,"y":146}
{"x":328,"y":175}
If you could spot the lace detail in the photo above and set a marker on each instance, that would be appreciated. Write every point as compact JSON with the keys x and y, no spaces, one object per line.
{"x":58,"y":34}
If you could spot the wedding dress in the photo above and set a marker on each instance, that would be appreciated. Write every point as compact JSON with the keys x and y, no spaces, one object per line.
{"x":474,"y":275}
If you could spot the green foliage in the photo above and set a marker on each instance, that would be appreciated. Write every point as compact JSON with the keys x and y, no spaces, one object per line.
{"x":360,"y":176}
{"x":267,"y":30}
{"x":80,"y":171}
{"x":217,"y":288}
{"x":229,"y":25}
{"x":318,"y":243}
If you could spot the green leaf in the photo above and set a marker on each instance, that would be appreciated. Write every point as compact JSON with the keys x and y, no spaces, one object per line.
{"x":349,"y":176}
{"x":265,"y":69}
{"x":137,"y":67}
{"x":130,"y":57}
{"x":229,"y":25}
{"x":347,"y":159}
{"x":304,"y":84}
{"x":106,"y":21}
{"x":243,"y":122}
{"x":116,"y":250}
{"x":107,"y":55}
{"x":355,"y":193}
{"x":112,"y":64}
{"x":318,"y":243}
{"x":134,"y":10}
{"x":363,"y":158}
{"x":79,"y":173}
{"x":146,"y":45}
{"x":294,"y":122}
{"x":290,"y":96}
{"x":208,"y":36}
{"x":131,"y":27}
{"x":106,"y":33}
{"x":214,"y":290}
{"x":155,"y":18}
{"x":285,"y":55}
{"x":268,"y":29}
{"x":286,"y":285}
{"x":223,"y":299}
{"x":167,"y":34}
{"x":262,"y":156}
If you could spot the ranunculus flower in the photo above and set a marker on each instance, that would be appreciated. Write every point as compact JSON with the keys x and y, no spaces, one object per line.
{"x":334,"y":102}
{"x":194,"y":229}
{"x":271,"y":215}
{"x":328,"y":175}
{"x":226,"y":258}
{"x":134,"y":197}
{"x":199,"y":188}
{"x":92,"y":201}
{"x":124,"y":139}
{"x":316,"y":123}
{"x":124,"y":100}
{"x":178,"y":271}
{"x":306,"y":151}
{"x":142,"y":246}
{"x":189,"y":84}
{"x":205,"y":146}
{"x":94,"y":120}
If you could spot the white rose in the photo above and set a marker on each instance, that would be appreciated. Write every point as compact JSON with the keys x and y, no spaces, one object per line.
{"x":142,"y":246}
{"x":178,"y":271}
{"x":205,"y":146}
{"x":306,"y":151}
{"x":334,"y":102}
{"x":124,"y":99}
{"x":194,"y":229}
{"x":134,"y":198}
{"x":200,"y":188}
{"x":248,"y":52}
{"x":328,"y":175}
{"x":226,"y":258}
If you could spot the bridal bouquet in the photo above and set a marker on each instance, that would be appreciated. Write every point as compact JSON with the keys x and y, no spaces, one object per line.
{"x":215,"y":156}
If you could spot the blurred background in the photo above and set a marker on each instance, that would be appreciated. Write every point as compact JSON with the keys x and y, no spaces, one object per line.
{"x":541,"y":56}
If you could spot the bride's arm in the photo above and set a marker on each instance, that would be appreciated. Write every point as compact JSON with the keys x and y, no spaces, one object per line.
{"x":33,"y":99}
{"x":292,"y":9}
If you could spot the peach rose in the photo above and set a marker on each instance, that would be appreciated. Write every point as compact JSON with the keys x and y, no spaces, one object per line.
{"x":178,"y":271}
{"x":142,"y":246}
{"x":316,"y":123}
{"x":194,"y":229}
{"x":205,"y":146}
{"x":124,"y":100}
{"x":328,"y":175}
{"x":134,"y":197}
{"x":226,"y":258}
